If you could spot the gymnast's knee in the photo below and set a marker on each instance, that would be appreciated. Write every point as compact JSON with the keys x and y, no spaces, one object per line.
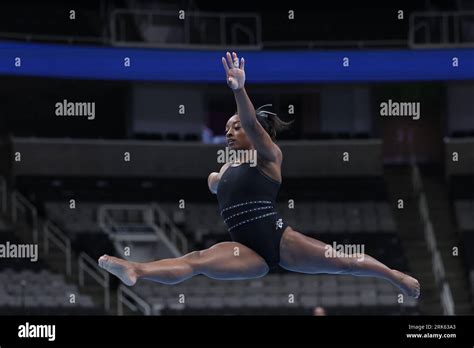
{"x":194,"y":260}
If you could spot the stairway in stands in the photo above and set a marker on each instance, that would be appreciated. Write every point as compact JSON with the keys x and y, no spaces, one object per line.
{"x":442,"y":215}
{"x":410,"y":231}
{"x":56,"y":261}
{"x":44,"y":280}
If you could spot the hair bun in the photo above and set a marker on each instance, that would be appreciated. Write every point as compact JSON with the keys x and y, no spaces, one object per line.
{"x":264,"y":113}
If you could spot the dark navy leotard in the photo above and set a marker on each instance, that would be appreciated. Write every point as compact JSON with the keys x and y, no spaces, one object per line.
{"x":247,"y":199}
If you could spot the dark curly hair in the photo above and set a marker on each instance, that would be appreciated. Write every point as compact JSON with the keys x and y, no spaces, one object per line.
{"x":270,"y":121}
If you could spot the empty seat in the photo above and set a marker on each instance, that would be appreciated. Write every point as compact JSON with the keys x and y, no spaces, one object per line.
{"x":337,"y":217}
{"x":310,"y":300}
{"x":233,"y":301}
{"x":329,"y":300}
{"x":270,"y":301}
{"x":348,"y":289}
{"x":196,"y":302}
{"x":387,"y":300}
{"x":349,"y":300}
{"x":322,"y":219}
{"x":367,"y":298}
{"x":353,"y":214}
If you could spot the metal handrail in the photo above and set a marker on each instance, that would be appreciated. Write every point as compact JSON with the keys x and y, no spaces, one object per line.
{"x":439,"y":272}
{"x":446,"y":33}
{"x":417,"y":27}
{"x":447,"y":299}
{"x":87,"y":265}
{"x":105,"y":219}
{"x":176,"y":236}
{"x":140,"y":303}
{"x":222,"y":16}
{"x":54,"y":38}
{"x":237,"y":26}
{"x":155,"y":218}
{"x":336,"y":43}
{"x":53,"y":234}
{"x":20,"y":202}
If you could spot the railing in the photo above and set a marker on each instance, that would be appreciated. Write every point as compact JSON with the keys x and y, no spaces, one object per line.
{"x":3,"y":195}
{"x":20,"y":207}
{"x":149,"y":19}
{"x":447,"y":300}
{"x":86,"y":265}
{"x":54,"y":235}
{"x":449,"y":24}
{"x":153,"y":217}
{"x":106,"y":222}
{"x":177,"y":238}
{"x":335,"y":44}
{"x":296,"y":44}
{"x":437,"y":262}
{"x":140,"y":304}
{"x":110,"y":225}
{"x":54,"y":38}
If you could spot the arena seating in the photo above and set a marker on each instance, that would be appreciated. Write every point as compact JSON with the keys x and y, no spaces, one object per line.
{"x":363,"y":217}
{"x":39,"y":290}
{"x":321,"y":217}
{"x":31,"y":285}
{"x":339,"y":294}
{"x":462,"y":195}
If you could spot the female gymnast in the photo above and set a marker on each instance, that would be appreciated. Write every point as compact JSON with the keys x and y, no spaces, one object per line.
{"x":261,"y":241}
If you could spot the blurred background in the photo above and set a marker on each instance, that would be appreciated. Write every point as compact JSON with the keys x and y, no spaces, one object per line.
{"x":132,"y":180}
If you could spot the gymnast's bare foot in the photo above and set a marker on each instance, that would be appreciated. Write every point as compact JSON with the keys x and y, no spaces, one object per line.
{"x":122,"y":269}
{"x":407,"y":284}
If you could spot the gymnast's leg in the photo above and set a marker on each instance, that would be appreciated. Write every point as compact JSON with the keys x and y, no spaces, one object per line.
{"x":227,"y":260}
{"x":303,"y":254}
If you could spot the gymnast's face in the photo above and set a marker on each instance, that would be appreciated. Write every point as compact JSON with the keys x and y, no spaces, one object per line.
{"x":235,"y":135}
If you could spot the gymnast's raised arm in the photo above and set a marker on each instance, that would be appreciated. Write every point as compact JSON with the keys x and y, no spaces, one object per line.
{"x":260,"y":139}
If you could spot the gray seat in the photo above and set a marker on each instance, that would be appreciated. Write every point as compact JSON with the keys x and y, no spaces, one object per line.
{"x":347,"y":289}
{"x":337,"y":217}
{"x":196,"y":302}
{"x":4,"y":300}
{"x":387,"y":300}
{"x":252,"y":301}
{"x":353,"y":217}
{"x":367,"y":298}
{"x":233,"y":301}
{"x":369,"y":216}
{"x":330,"y":300}
{"x":214,"y":302}
{"x":322,"y":221}
{"x":14,"y":301}
{"x":270,"y":301}
{"x":349,"y":300}
{"x":310,"y":300}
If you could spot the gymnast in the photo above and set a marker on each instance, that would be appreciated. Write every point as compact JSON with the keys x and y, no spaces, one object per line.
{"x":261,"y":240}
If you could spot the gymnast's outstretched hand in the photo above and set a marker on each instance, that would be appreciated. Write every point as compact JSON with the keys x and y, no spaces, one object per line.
{"x":234,"y":70}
